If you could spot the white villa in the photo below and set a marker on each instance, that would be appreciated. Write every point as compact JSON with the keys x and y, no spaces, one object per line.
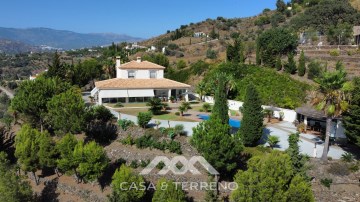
{"x":138,"y":81}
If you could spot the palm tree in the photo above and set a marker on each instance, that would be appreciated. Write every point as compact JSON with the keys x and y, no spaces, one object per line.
{"x":200,"y":88}
{"x":332,"y":98}
{"x":155,"y":105}
{"x":273,"y":141}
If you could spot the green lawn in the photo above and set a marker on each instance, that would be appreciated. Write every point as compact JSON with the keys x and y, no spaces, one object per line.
{"x":166,"y":116}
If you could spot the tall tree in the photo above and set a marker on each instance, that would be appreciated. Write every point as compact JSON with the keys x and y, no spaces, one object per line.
{"x":221,"y":108}
{"x":302,"y":67}
{"x":171,"y":193}
{"x":122,"y":182}
{"x":57,"y":68}
{"x":12,"y":187}
{"x":34,"y":150}
{"x":251,"y":128}
{"x":32,"y":97}
{"x":65,"y":147}
{"x":280,"y":6}
{"x":332,"y":99}
{"x":66,"y":111}
{"x":92,"y":160}
{"x":275,"y":42}
{"x":270,"y":177}
{"x":235,"y":53}
{"x":351,"y":118}
{"x":200,"y":88}
{"x":213,"y":140}
{"x":298,"y":160}
{"x":290,"y":67}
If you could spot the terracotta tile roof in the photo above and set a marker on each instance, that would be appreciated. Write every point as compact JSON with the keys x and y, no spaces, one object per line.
{"x":140,"y":65}
{"x":139,"y":84}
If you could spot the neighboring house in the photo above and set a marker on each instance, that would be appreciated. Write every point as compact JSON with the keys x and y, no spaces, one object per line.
{"x":316,"y":120}
{"x":138,"y":81}
{"x":199,"y":34}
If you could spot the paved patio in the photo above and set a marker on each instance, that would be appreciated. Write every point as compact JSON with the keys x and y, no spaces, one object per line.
{"x":307,"y":141}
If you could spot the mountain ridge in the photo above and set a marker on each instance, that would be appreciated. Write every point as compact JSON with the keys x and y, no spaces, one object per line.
{"x":62,"y":39}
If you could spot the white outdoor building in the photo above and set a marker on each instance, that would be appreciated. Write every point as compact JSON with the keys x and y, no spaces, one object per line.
{"x":138,"y":81}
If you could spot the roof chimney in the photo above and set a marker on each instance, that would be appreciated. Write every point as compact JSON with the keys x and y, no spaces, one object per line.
{"x":118,"y":64}
{"x":138,"y":59}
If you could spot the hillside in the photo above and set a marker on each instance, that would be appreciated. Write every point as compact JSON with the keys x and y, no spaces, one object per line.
{"x":14,"y":47}
{"x":181,"y":43}
{"x":61,"y":38}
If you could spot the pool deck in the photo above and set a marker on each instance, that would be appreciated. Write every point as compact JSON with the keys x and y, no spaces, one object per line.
{"x":281,"y":129}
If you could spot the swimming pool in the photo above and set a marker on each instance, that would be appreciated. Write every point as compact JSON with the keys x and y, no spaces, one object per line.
{"x":232,"y":122}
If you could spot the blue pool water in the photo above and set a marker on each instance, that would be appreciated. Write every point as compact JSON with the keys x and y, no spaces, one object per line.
{"x":232,"y":122}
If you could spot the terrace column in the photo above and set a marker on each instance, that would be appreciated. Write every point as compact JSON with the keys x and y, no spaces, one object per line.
{"x":305,"y":120}
{"x":127,"y":100}
{"x":186,"y":95}
{"x":169,"y":94}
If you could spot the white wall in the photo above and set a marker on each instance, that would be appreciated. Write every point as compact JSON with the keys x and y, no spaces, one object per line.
{"x":139,"y":73}
{"x":289,"y":115}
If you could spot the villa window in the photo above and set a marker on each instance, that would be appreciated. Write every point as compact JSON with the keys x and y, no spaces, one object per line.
{"x":131,"y":74}
{"x":152,"y":74}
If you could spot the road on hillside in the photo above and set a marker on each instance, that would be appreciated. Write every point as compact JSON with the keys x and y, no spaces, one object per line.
{"x":7,"y":92}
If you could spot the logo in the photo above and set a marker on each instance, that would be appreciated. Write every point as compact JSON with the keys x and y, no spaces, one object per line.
{"x":171,"y":165}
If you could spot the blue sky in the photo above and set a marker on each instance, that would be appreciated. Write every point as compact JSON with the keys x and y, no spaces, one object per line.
{"x":141,"y":18}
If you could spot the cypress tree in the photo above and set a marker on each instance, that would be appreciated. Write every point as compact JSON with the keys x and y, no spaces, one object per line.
{"x":252,"y":122}
{"x":351,"y":118}
{"x":278,"y":64}
{"x":290,"y":67}
{"x":220,"y":109}
{"x":301,"y":67}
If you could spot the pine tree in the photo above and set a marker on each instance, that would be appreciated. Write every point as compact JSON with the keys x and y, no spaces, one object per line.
{"x":301,"y":67}
{"x":167,"y":190}
{"x":92,"y":160}
{"x":213,"y":140}
{"x":220,"y":109}
{"x":278,"y":64}
{"x":211,"y":193}
{"x":290,"y":67}
{"x":34,"y":150}
{"x":270,"y":177}
{"x":66,"y":111}
{"x":251,"y":128}
{"x":12,"y":187}
{"x":122,"y":181}
{"x":66,"y":148}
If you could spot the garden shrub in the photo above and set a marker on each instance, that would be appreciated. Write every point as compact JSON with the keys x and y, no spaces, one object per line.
{"x":179,"y":129}
{"x":144,"y":118}
{"x":119,"y":104}
{"x":326,"y":182}
{"x":134,"y":164}
{"x":334,"y":52}
{"x":177,"y":113}
{"x":174,"y":147}
{"x":128,"y":140}
{"x":354,"y":167}
{"x":347,"y":157}
{"x":125,"y":124}
{"x":206,"y":107}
